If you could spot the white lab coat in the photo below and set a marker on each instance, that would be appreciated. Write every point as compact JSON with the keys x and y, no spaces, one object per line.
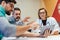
{"x":51,"y":23}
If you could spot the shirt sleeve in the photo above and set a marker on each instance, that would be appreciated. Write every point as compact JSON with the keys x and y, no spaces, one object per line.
{"x":21,"y":23}
{"x":56,"y":26}
{"x":6,"y":28}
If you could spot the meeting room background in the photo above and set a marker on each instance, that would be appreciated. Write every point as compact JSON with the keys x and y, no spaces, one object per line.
{"x":30,"y":7}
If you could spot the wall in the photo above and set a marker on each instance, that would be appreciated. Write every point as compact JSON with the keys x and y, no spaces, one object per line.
{"x":29,"y":7}
{"x":50,"y":6}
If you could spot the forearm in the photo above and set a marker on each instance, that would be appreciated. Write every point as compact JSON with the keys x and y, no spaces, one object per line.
{"x":29,"y":34}
{"x":55,"y":33}
{"x":21,"y":29}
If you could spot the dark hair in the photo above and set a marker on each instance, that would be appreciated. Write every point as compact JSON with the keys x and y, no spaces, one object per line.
{"x":16,"y":9}
{"x":39,"y":12}
{"x":7,"y":1}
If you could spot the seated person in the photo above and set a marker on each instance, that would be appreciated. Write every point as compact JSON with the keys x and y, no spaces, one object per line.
{"x":7,"y":29}
{"x":16,"y":20}
{"x":16,"y":17}
{"x":47,"y":25}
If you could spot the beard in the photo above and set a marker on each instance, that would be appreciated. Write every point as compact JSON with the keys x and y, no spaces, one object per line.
{"x":8,"y":13}
{"x":17,"y":18}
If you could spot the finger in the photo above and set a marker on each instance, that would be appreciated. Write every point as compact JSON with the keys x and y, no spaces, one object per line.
{"x":49,"y":31}
{"x":46,"y":31}
{"x":27,"y":17}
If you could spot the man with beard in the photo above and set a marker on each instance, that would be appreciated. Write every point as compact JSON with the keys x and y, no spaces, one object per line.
{"x":16,"y":18}
{"x":7,"y":29}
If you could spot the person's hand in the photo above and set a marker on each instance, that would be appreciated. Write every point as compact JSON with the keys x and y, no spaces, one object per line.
{"x":47,"y":32}
{"x":55,"y":33}
{"x":34,"y":25}
{"x":26,"y":19}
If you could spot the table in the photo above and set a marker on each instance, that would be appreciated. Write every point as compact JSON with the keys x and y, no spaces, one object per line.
{"x":55,"y":37}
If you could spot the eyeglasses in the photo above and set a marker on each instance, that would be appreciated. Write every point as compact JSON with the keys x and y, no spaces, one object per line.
{"x":42,"y":13}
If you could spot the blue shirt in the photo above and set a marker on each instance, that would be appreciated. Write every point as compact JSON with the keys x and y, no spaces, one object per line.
{"x":12,"y":20}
